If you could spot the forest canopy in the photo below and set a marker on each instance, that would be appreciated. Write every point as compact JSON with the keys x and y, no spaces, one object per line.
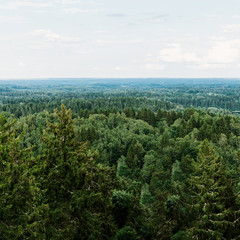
{"x":153,"y":163}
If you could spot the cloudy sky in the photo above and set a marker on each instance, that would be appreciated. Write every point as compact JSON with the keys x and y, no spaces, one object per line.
{"x":119,"y":38}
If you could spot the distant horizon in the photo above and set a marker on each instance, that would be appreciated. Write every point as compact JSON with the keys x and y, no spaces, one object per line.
{"x":109,"y":78}
{"x":121,"y":82}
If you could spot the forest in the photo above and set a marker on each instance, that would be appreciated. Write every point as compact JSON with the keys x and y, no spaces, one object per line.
{"x":120,"y":160}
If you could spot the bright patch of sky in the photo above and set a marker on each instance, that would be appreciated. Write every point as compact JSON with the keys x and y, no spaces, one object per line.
{"x":112,"y":38}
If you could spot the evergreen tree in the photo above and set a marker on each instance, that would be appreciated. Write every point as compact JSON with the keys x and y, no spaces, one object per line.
{"x":135,"y":155}
{"x":20,"y":197}
{"x":77,"y":189}
{"x":212,"y":199}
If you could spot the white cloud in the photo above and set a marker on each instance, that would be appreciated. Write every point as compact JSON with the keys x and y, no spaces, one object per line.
{"x":154,"y":67}
{"x":117,"y":68}
{"x":231,"y":28}
{"x":222,"y":52}
{"x":54,"y":37}
{"x":21,"y":64}
{"x":174,"y":53}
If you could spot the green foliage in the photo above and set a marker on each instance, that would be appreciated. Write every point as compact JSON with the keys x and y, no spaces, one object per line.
{"x":177,"y":173}
{"x":126,"y":233}
{"x":148,"y":166}
{"x":212,"y":199}
{"x":20,"y":198}
{"x":135,"y":155}
{"x":121,"y":206}
{"x":122,"y":169}
{"x":77,"y":190}
{"x":146,"y":196}
{"x":181,"y":235}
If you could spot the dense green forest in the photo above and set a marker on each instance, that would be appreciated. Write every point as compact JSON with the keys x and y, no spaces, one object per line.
{"x":120,"y":161}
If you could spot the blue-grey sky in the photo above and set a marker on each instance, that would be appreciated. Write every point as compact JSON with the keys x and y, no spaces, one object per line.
{"x":113,"y":38}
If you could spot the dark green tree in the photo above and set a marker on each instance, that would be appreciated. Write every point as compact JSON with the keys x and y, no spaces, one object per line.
{"x":21,"y":205}
{"x":77,"y":189}
{"x":135,"y":155}
{"x":126,"y":233}
{"x":212,"y":198}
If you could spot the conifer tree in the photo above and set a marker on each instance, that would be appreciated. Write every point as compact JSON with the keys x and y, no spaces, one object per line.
{"x":77,"y":189}
{"x":135,"y":155}
{"x":212,"y":199}
{"x":20,"y":197}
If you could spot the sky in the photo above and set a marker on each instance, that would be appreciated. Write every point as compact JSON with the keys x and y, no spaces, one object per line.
{"x":119,"y":38}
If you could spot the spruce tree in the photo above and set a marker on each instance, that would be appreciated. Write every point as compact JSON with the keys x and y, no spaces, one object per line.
{"x":135,"y":155}
{"x":212,"y":199}
{"x":77,"y":189}
{"x":20,"y":197}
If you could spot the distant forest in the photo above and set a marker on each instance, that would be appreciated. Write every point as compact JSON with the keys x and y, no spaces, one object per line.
{"x":120,"y":159}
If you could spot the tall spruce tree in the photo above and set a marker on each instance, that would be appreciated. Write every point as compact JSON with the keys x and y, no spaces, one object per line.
{"x":20,"y":197}
{"x":212,"y":200}
{"x":77,"y":189}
